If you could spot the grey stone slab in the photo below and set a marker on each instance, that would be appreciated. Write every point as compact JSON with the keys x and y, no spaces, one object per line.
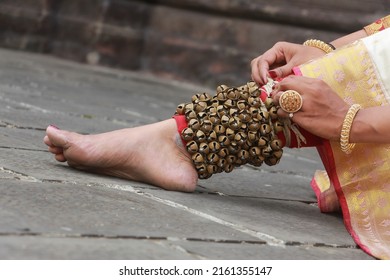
{"x":78,"y":248}
{"x":62,"y":247}
{"x":275,"y":220}
{"x":22,"y":139}
{"x":81,"y":210}
{"x":245,"y":251}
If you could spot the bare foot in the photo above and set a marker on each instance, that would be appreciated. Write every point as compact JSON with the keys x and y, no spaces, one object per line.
{"x":152,"y":154}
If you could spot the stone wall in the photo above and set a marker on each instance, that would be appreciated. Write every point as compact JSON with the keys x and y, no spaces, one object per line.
{"x":200,"y":41}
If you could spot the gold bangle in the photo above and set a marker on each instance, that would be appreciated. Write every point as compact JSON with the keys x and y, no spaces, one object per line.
{"x":326,"y":47}
{"x":347,"y":147}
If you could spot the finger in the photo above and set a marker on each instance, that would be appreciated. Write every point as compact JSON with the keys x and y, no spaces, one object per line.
{"x":282,"y":114}
{"x":276,"y":97}
{"x":255,"y":71}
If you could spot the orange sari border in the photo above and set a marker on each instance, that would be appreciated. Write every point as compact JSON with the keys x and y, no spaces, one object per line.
{"x":378,"y":25}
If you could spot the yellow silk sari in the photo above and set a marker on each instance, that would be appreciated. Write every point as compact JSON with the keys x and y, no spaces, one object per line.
{"x":358,"y":183}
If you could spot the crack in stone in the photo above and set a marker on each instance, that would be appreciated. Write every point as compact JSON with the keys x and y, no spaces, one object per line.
{"x":173,"y":239}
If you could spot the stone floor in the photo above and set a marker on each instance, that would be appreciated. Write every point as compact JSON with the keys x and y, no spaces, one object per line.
{"x":50,"y":211}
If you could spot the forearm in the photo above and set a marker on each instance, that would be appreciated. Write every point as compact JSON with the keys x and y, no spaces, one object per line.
{"x":371,"y":125}
{"x":349,"y":38}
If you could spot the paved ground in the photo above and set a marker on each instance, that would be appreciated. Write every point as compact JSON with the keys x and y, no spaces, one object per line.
{"x":50,"y":211}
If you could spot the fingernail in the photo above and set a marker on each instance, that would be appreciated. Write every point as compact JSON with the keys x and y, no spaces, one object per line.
{"x":272,"y":74}
{"x":54,"y":126}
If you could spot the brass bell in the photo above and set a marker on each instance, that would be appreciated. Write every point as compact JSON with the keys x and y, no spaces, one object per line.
{"x":230,"y":159}
{"x":223,"y":140}
{"x":204,"y":148}
{"x":255,"y":151}
{"x":269,"y":102}
{"x":265,"y":129}
{"x":214,"y":119}
{"x":244,"y":94}
{"x":254,"y":125}
{"x":221,"y":96}
{"x":211,"y":109}
{"x":276,"y":144}
{"x":207,"y":126}
{"x":244,"y":116}
{"x":230,"y":103}
{"x":235,"y":123}
{"x":214,"y":147}
{"x":230,"y":133}
{"x":214,"y":102}
{"x":233,"y":148}
{"x":228,"y":168}
{"x":278,"y":154}
{"x":219,"y":129}
{"x":240,"y":138}
{"x":180,"y":109}
{"x":200,"y":106}
{"x":222,"y":88}
{"x":271,"y":161}
{"x":243,"y":88}
{"x":212,"y":158}
{"x":187,"y":134}
{"x":188,"y":107}
{"x":200,"y":136}
{"x":192,"y":147}
{"x":266,"y":151}
{"x":221,"y":163}
{"x":204,"y":97}
{"x":241,"y":105}
{"x":194,"y":124}
{"x":252,"y":136}
{"x":212,"y":136}
{"x":222,"y":111}
{"x":223,"y":152}
{"x":243,"y":155}
{"x":262,"y":141}
{"x":273,"y":113}
{"x":233,"y":112}
{"x":190,"y":114}
{"x":254,"y":101}
{"x":264,"y":114}
{"x":200,"y":168}
{"x":225,"y":121}
{"x":202,"y":115}
{"x":233,"y":94}
{"x":211,"y":168}
{"x":197,"y":158}
{"x":253,"y":111}
{"x":195,"y":97}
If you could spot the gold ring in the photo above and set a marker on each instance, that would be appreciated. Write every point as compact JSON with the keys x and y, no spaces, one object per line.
{"x":290,"y":101}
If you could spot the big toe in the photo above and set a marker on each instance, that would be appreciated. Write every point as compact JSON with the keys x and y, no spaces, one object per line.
{"x":57,"y":137}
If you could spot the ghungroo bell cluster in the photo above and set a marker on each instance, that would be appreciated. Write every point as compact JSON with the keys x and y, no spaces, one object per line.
{"x":232,"y":128}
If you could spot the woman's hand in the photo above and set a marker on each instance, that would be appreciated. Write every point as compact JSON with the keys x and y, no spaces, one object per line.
{"x":278,"y":61}
{"x":322,"y":112}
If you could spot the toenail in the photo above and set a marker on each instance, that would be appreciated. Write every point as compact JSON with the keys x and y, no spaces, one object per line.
{"x":54,"y":126}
